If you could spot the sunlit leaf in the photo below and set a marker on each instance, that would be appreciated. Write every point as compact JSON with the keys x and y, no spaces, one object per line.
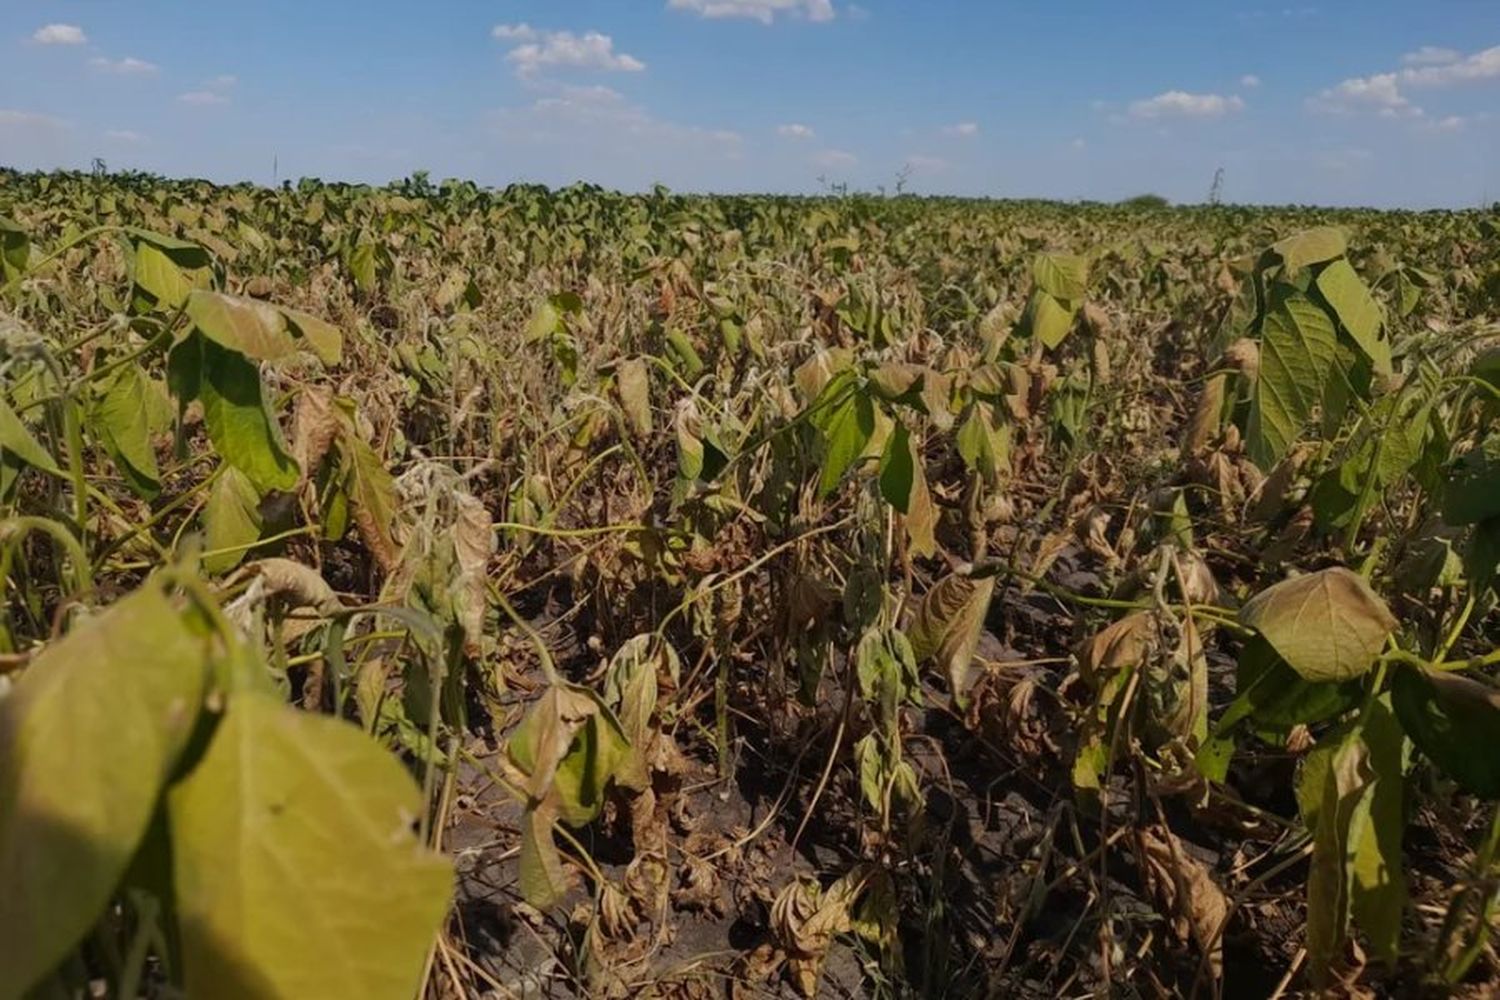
{"x":88,"y":737}
{"x":296,"y":867}
{"x":1296,"y":359}
{"x":1328,"y":625}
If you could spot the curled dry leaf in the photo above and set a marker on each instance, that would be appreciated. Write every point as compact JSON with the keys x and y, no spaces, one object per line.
{"x":1125,"y":643}
{"x":634,"y":385}
{"x":1244,"y":357}
{"x":298,"y":586}
{"x":804,"y":922}
{"x":1185,"y":888}
{"x":1205,"y":420}
{"x":315,"y":423}
{"x":947,"y":625}
{"x":473,"y":543}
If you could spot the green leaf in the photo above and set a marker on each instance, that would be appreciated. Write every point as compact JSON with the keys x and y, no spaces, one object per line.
{"x":16,"y":441}
{"x":1453,"y":721}
{"x":89,"y":735}
{"x":15,"y":249}
{"x":846,"y":427}
{"x":1311,"y":247}
{"x":231,"y":518}
{"x":983,"y":442}
{"x":684,"y":355}
{"x":1357,"y":311}
{"x":364,"y":265}
{"x":570,"y":746}
{"x":897,"y":469}
{"x":239,"y":424}
{"x":159,"y":275}
{"x":903,"y":483}
{"x":1328,"y":625}
{"x":323,"y":338}
{"x":296,"y":867}
{"x":250,"y":327}
{"x":1472,"y":492}
{"x":1047,"y":319}
{"x":544,"y":322}
{"x":122,"y":419}
{"x":1298,"y":345}
{"x":1061,"y":276}
{"x":540,"y":873}
{"x":1378,"y":881}
{"x":1334,"y":800}
{"x":1274,"y":696}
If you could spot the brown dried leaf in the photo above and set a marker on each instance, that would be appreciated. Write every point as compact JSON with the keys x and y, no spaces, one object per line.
{"x":1185,"y":888}
{"x":1125,"y":643}
{"x":315,"y":424}
{"x":947,"y":625}
{"x":1204,"y":424}
{"x":473,"y":543}
{"x":634,"y":385}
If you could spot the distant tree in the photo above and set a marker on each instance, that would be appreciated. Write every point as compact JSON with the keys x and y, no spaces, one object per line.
{"x":1146,"y":201}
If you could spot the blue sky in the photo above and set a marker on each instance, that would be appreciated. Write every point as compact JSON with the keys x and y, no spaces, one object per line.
{"x":1380,"y":103}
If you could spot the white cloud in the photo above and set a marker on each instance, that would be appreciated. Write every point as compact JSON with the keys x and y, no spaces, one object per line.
{"x":203,"y":98}
{"x":1380,"y":93}
{"x":1250,"y":81}
{"x":962,"y":130}
{"x":1181,"y":104}
{"x":11,"y":118}
{"x":604,"y":109}
{"x":1079,"y":143}
{"x":1452,"y":123}
{"x":224,"y":81}
{"x":834,"y":159}
{"x":764,"y":11}
{"x":522,"y":32}
{"x":1483,"y":65}
{"x":796,"y":131}
{"x":556,"y":136}
{"x":59,"y":34}
{"x":1431,"y":55}
{"x":124,"y":135}
{"x":1426,"y":67}
{"x":129,"y":66}
{"x":539,"y":50}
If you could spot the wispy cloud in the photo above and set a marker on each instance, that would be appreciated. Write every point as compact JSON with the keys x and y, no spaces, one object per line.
{"x":923,"y":164}
{"x":534,"y":51}
{"x":764,"y":11}
{"x":1250,"y":81}
{"x":124,"y":135}
{"x":59,"y":34}
{"x":1427,"y":67}
{"x":1181,"y":104}
{"x":1380,"y":93}
{"x":796,"y":130}
{"x":128,"y":66}
{"x":962,"y":130}
{"x":29,"y":119}
{"x":203,"y":98}
{"x":834,"y":159}
{"x":1431,"y":55}
{"x":213,"y":93}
